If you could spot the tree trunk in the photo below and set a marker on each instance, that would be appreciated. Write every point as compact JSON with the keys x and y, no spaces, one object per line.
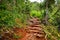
{"x":47,"y":11}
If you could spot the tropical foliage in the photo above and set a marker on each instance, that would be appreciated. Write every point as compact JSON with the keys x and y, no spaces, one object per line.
{"x":15,"y":13}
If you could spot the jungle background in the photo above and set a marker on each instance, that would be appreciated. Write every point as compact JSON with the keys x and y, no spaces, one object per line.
{"x":16,"y":13}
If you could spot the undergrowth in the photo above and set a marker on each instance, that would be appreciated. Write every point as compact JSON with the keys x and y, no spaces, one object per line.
{"x":52,"y":32}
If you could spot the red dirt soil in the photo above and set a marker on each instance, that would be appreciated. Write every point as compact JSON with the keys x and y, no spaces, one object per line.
{"x":33,"y":32}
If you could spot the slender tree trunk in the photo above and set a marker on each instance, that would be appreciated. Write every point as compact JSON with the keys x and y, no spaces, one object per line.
{"x":47,"y":11}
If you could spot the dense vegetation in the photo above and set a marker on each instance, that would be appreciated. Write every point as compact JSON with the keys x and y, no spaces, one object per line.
{"x":15,"y":13}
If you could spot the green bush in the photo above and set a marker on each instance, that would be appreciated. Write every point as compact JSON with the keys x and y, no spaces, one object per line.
{"x":7,"y":18}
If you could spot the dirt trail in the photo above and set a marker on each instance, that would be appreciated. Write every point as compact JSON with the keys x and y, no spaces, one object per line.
{"x":34,"y":30}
